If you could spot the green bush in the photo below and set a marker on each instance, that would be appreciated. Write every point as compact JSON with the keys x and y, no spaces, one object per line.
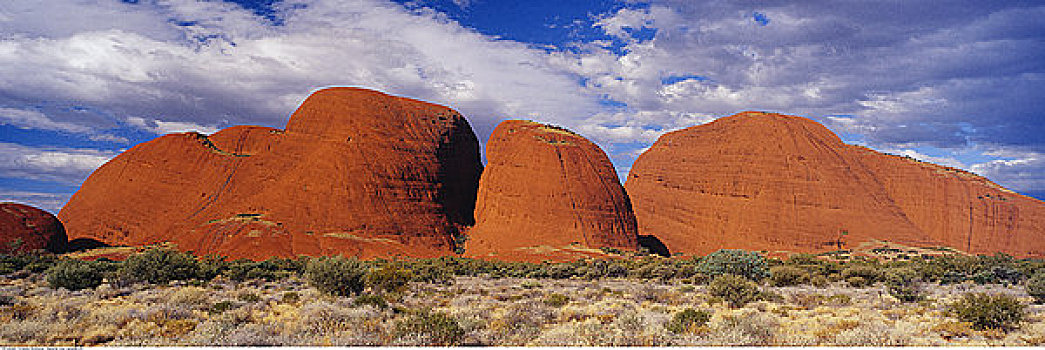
{"x":735,"y":290}
{"x":336,"y":275}
{"x":270,"y":270}
{"x":983,"y":269}
{"x":556,"y":300}
{"x":389,"y":279}
{"x":903,"y":284}
{"x":997,"y":268}
{"x":686,"y":321}
{"x":989,"y":311}
{"x":787,"y":276}
{"x":1035,"y":287}
{"x":75,"y":275}
{"x":437,"y":328}
{"x":160,"y":265}
{"x":10,"y":263}
{"x":859,"y":276}
{"x":737,"y":262}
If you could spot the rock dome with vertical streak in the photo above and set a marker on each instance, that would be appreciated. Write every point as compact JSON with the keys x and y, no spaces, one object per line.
{"x":548,"y":193}
{"x":355,"y":172}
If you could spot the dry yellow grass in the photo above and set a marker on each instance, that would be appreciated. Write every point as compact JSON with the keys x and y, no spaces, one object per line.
{"x":509,"y":311}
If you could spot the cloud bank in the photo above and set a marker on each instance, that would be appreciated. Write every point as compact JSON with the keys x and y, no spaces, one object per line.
{"x":957,"y":77}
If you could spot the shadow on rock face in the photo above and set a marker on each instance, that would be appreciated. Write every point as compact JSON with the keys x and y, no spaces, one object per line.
{"x":81,"y":244}
{"x":654,"y":245}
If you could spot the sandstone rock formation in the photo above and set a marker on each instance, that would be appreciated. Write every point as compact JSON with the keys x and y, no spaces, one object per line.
{"x":781,"y":183}
{"x":548,"y":193}
{"x":356,"y":172}
{"x":24,"y":229}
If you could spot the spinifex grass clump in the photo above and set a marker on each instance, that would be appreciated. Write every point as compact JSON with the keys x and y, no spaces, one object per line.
{"x":687,"y":321}
{"x":430,"y":327}
{"x":735,"y":290}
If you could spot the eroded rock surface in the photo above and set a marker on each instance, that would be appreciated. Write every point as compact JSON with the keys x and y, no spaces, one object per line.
{"x":548,"y":193}
{"x":781,"y":183}
{"x":24,"y":228}
{"x":355,"y":172}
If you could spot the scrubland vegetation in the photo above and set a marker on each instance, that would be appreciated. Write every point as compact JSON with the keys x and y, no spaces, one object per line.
{"x":163,"y":297}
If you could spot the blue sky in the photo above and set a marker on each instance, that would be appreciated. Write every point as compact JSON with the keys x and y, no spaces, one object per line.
{"x":953,"y":82}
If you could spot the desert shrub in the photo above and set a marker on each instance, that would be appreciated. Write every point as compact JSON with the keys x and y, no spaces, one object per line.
{"x":244,"y":271}
{"x":75,"y":274}
{"x":945,"y":269}
{"x":860,"y":275}
{"x":433,"y":328}
{"x":270,"y":270}
{"x":221,"y":306}
{"x":1035,"y":287}
{"x":248,"y":297}
{"x":210,"y":266}
{"x":388,"y":279}
{"x":819,"y":281}
{"x":530,"y":285}
{"x":988,"y":311}
{"x":983,"y":269}
{"x":370,"y":299}
{"x":687,"y":321}
{"x":189,"y":297}
{"x":1030,"y":267}
{"x":558,"y":271}
{"x":291,"y":297}
{"x":659,"y":270}
{"x":336,"y":275}
{"x":432,"y":270}
{"x":903,"y":284}
{"x":556,"y":300}
{"x":10,"y":263}
{"x":997,"y":268}
{"x":160,"y":265}
{"x":750,"y":265}
{"x":787,"y":276}
{"x":735,"y":290}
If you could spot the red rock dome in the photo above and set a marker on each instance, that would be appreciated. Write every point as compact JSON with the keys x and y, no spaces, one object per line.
{"x":548,"y":193}
{"x":780,"y":183}
{"x":24,"y":229}
{"x":356,"y":172}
